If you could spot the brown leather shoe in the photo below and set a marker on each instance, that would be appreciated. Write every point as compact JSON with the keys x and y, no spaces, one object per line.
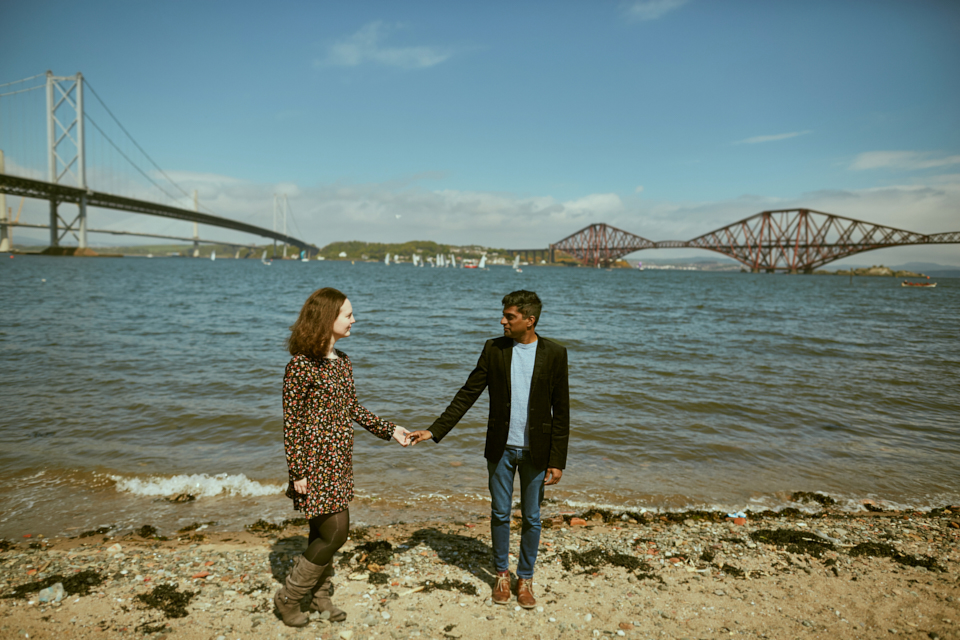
{"x":525,"y":593}
{"x":501,"y":590}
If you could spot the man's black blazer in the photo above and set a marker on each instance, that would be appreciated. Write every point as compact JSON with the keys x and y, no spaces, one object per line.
{"x":548,"y":414}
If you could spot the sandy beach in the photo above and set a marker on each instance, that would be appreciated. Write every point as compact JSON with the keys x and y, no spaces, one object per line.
{"x":680,"y":575}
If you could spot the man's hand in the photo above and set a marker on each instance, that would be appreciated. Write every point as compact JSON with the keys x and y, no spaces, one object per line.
{"x":552,"y":476}
{"x":300,"y":486}
{"x":401,"y":435}
{"x":419,"y":436}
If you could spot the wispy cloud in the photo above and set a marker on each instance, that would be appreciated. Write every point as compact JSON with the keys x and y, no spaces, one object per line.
{"x":650,"y":9}
{"x":367,"y":46}
{"x":773,"y":138}
{"x":905,"y":160}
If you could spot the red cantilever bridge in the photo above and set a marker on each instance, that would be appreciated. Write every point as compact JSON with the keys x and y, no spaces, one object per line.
{"x":794,"y":240}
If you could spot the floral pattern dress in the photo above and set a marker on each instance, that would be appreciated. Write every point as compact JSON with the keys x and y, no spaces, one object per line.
{"x":319,"y":408}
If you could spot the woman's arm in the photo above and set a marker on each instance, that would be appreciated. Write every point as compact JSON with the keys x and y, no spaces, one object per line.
{"x":296,"y":382}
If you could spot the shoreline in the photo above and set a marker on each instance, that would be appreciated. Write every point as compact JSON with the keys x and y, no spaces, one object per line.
{"x":688,"y":574}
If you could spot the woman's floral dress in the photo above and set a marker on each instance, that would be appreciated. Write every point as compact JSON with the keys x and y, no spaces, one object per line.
{"x":319,"y":408}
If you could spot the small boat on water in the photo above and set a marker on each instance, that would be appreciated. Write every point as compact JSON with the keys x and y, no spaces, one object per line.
{"x":516,"y":264}
{"x":907,"y":283}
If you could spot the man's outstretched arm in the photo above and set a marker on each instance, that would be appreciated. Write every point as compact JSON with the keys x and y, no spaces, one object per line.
{"x":461,"y":403}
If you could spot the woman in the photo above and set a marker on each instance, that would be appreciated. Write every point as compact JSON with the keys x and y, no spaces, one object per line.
{"x":319,"y":407}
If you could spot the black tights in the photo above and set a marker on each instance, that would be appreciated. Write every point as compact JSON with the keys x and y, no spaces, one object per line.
{"x":328,"y":532}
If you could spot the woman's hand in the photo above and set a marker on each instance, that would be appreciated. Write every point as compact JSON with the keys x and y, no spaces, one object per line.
{"x":401,"y":435}
{"x":300,"y":486}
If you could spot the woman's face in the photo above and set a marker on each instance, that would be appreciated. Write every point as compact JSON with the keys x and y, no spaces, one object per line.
{"x":341,"y":326}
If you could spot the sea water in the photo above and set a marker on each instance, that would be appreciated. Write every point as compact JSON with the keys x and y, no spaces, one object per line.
{"x":126,"y":382}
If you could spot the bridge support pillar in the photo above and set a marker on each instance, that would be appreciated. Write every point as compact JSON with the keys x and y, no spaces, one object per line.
{"x":5,"y":243}
{"x":82,"y":221}
{"x":54,"y":225}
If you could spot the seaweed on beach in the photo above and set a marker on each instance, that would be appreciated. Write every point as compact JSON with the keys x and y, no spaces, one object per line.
{"x":262,"y":526}
{"x":6,"y":545}
{"x":195,"y":526}
{"x":880,"y":550}
{"x":378,"y":577}
{"x":359,"y":533}
{"x":147,"y":531}
{"x":731,"y":570}
{"x":449,"y":585}
{"x":379,"y":552}
{"x":168,"y":599}
{"x":598,"y":557}
{"x":78,"y":584}
{"x":809,"y":496}
{"x":99,"y":531}
{"x":799,"y":542}
{"x":295,"y":522}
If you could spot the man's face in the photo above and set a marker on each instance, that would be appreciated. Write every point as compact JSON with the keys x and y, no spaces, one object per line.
{"x":515,"y":325}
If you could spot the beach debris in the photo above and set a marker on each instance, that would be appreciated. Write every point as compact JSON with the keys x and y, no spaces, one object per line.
{"x":808,"y":496}
{"x":181,"y":498}
{"x":99,"y":531}
{"x":52,"y":593}
{"x":793,"y":541}
{"x":76,"y":584}
{"x":448,"y":585}
{"x":150,"y":531}
{"x":378,"y":577}
{"x":262,"y":526}
{"x":196,"y":526}
{"x":114,"y":549}
{"x":880,"y":550}
{"x":598,"y":557}
{"x":6,"y":545}
{"x":168,"y":599}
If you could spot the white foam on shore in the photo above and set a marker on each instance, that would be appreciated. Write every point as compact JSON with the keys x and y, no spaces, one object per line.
{"x":199,"y":485}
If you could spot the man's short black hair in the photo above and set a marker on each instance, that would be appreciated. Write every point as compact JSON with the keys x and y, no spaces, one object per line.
{"x":526,"y":302}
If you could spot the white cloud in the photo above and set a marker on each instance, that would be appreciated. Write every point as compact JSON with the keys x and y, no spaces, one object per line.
{"x":368,"y":212}
{"x":639,"y":189}
{"x":773,"y":138}
{"x":650,"y":9}
{"x":906,"y":160}
{"x":367,"y":46}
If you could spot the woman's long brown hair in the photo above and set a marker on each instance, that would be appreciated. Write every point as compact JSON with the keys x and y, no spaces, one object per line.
{"x":310,"y":334}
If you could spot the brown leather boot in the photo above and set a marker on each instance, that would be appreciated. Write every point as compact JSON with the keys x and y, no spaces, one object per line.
{"x":303,"y":575}
{"x":525,"y":593}
{"x":321,"y":596}
{"x":501,"y":590}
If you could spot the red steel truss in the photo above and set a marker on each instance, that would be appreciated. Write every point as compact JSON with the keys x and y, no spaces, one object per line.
{"x":601,"y":244}
{"x":801,"y":240}
{"x":795,"y":240}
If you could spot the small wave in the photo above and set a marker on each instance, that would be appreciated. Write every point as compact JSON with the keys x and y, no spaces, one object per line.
{"x":199,"y":485}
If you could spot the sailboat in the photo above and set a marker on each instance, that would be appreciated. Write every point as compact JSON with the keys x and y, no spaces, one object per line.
{"x":453,"y":260}
{"x":483,"y":262}
{"x":303,"y":256}
{"x":263,"y":259}
{"x":213,"y":254}
{"x":386,"y":260}
{"x":516,"y":264}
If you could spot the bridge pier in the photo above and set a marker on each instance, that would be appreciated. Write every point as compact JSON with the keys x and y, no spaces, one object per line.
{"x":5,"y":243}
{"x":54,"y":224}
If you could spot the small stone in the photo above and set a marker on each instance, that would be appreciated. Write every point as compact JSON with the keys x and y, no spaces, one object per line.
{"x":539,"y":609}
{"x":588,"y":617}
{"x":720,"y":592}
{"x":516,"y":608}
{"x":620,"y":632}
{"x":551,"y":619}
{"x":114,"y":549}
{"x":626,"y":626}
{"x":385,"y":615}
{"x":807,"y":623}
{"x":324,"y":615}
{"x":346,"y":634}
{"x":52,"y":594}
{"x":577,"y":522}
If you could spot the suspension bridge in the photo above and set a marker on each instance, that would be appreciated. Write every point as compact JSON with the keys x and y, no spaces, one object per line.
{"x":43,"y":130}
{"x":47,"y":135}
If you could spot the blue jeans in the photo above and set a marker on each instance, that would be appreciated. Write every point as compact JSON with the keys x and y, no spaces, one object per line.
{"x":501,"y":476}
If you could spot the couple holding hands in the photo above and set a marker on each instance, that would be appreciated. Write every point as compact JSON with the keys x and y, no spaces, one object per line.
{"x":527,"y":433}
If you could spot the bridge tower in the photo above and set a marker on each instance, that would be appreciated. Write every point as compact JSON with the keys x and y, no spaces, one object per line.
{"x":5,"y":242}
{"x":280,"y":219}
{"x":65,"y":151}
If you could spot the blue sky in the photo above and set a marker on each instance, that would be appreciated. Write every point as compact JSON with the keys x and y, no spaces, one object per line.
{"x":515,"y":124}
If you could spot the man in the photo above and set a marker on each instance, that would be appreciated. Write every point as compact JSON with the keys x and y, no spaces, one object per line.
{"x":527,"y":431}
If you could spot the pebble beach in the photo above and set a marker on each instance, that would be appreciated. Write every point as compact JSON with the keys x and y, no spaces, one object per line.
{"x":825,"y":574}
